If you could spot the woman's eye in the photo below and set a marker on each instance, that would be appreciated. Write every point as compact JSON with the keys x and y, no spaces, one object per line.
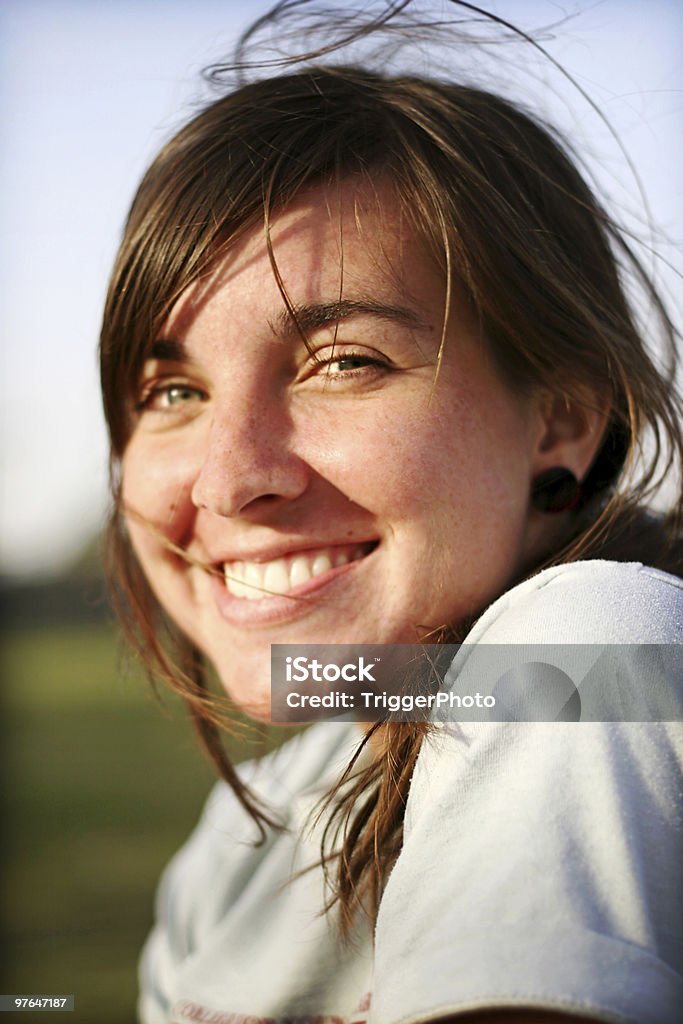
{"x":350,"y":364}
{"x":162,"y":397}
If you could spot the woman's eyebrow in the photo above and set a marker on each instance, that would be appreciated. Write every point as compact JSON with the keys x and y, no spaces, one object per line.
{"x":166,"y":349}
{"x":309,"y":317}
{"x":306,"y":318}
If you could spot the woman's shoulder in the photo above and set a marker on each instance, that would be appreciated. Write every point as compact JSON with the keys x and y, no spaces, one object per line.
{"x":542,"y":857}
{"x":211,"y":869}
{"x":304,"y":765}
{"x":594,"y":601}
{"x":299,"y":770}
{"x":302,"y":762}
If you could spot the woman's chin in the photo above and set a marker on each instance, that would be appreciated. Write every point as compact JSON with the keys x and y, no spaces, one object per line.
{"x":248,"y":686}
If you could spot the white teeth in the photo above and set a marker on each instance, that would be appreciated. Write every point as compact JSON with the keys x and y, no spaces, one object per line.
{"x":256,"y":580}
{"x":236,"y":583}
{"x":321,"y":564}
{"x":253,"y":574}
{"x":276,"y":578}
{"x":299,"y":571}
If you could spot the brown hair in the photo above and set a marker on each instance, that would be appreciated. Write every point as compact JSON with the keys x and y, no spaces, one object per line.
{"x":508,"y":216}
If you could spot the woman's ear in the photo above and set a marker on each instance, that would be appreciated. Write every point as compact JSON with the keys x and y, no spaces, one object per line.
{"x":570,"y":433}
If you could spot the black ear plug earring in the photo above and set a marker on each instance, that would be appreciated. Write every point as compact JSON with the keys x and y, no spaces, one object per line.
{"x":555,"y":490}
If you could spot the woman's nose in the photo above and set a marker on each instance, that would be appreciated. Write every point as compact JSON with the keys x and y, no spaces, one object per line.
{"x":246,"y":458}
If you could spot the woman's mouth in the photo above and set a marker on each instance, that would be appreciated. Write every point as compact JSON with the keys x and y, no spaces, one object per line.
{"x":292,"y":575}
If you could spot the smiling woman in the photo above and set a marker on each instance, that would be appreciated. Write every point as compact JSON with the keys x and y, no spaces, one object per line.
{"x":273,"y":457}
{"x":371,"y":378}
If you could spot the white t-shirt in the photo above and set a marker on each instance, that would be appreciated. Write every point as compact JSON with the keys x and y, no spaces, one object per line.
{"x":542,"y":863}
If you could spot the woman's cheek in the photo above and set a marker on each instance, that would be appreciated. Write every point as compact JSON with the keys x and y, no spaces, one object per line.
{"x":156,"y":492}
{"x":375,"y":456}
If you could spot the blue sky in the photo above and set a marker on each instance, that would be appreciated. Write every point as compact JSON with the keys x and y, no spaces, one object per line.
{"x":88,"y":92}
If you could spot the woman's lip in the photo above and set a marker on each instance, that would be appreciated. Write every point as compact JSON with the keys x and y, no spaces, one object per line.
{"x":278,"y":608}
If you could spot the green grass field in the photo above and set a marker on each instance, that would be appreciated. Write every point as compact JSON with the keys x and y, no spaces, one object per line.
{"x":101,"y":785}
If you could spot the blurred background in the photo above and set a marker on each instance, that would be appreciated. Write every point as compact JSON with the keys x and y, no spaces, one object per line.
{"x":100,"y":784}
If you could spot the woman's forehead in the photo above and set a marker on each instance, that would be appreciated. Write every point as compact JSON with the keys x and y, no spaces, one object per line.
{"x":349,"y":241}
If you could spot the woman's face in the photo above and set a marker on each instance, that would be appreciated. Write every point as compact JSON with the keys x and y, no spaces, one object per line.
{"x":351,"y":495}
